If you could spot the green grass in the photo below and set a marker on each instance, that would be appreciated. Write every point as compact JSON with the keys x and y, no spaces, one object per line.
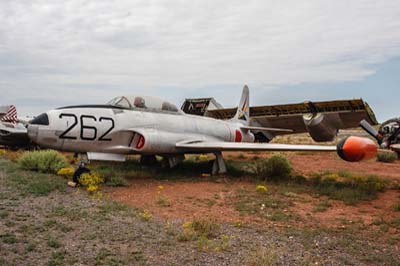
{"x":8,"y":238}
{"x":71,"y":213}
{"x":57,"y":225}
{"x":348,"y":187}
{"x":386,"y":156}
{"x":265,"y":205}
{"x":53,"y":243}
{"x":262,"y":257}
{"x":4,"y":214}
{"x":30,"y":183}
{"x":31,"y":246}
{"x":57,"y":258}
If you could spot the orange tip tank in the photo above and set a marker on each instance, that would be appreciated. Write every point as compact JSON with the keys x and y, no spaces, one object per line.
{"x":355,"y":149}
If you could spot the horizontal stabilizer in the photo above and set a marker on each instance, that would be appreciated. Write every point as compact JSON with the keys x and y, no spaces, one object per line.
{"x":267,"y":129}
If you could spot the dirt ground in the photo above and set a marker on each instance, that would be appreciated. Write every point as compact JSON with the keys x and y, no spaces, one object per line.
{"x":43,"y":222}
{"x":188,"y":200}
{"x":307,"y":163}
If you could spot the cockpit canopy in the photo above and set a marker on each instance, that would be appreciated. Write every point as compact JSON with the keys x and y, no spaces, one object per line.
{"x":143,"y":102}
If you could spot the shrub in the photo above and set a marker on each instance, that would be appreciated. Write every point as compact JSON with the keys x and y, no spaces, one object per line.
{"x":116,"y":181}
{"x":261,"y":189}
{"x":203,"y":158}
{"x":207,"y":227}
{"x":199,"y":228}
{"x":263,"y":256}
{"x":91,"y":181}
{"x":146,"y":215}
{"x":66,"y":172}
{"x":275,"y":167}
{"x":163,"y":201}
{"x":348,"y":187}
{"x":46,"y":161}
{"x":386,"y":156}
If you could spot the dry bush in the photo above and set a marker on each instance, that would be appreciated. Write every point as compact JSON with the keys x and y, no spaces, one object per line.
{"x":387,"y":156}
{"x":276,"y":167}
{"x":348,"y":187}
{"x":263,"y":257}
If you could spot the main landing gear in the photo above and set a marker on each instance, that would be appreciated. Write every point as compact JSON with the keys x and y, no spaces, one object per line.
{"x":170,"y":161}
{"x":219,"y":166}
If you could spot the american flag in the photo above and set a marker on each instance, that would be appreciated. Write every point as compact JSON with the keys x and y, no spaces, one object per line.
{"x":11,"y":115}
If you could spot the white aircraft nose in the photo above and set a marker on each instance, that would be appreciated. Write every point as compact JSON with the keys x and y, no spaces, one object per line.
{"x":33,"y":131}
{"x":33,"y":127}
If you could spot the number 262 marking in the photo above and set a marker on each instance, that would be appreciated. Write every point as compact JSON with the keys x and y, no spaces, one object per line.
{"x":84,"y":135}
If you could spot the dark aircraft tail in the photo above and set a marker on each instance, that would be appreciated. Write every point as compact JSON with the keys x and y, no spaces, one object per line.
{"x":243,"y":111}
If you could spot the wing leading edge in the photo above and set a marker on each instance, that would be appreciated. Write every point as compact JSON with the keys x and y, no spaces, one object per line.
{"x":351,"y":149}
{"x":201,"y":146}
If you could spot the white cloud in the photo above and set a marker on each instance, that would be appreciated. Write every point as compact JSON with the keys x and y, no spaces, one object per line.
{"x":59,"y":49}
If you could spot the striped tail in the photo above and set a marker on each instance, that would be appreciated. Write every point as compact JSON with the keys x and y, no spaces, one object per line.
{"x":10,"y":116}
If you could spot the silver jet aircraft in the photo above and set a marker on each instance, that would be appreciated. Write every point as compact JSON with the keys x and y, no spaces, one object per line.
{"x":150,"y":126}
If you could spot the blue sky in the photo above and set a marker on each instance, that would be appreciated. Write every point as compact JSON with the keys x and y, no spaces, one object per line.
{"x":380,"y":90}
{"x":55,"y":53}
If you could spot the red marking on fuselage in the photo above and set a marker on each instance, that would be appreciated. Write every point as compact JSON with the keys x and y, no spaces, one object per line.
{"x":238,"y":136}
{"x":140,"y":143}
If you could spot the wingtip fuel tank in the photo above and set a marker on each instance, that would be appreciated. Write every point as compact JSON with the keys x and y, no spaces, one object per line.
{"x":355,"y":149}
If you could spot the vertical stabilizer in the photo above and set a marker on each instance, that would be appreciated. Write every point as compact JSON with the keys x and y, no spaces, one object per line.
{"x":243,"y":111}
{"x":10,"y":115}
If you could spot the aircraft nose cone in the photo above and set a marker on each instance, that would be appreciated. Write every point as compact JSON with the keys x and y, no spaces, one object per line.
{"x":355,"y":149}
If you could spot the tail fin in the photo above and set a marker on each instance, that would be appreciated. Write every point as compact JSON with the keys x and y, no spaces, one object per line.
{"x":243,"y":111}
{"x":10,"y":116}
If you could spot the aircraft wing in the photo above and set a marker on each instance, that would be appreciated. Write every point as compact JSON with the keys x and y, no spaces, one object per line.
{"x":203,"y":146}
{"x":351,"y":149}
{"x":321,"y":120}
{"x":13,"y":135}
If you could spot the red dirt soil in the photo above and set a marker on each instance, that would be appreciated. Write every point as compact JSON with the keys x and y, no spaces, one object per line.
{"x":208,"y":199}
{"x":308,"y":163}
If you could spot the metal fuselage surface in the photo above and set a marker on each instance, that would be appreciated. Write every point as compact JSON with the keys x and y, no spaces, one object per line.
{"x":128,"y":131}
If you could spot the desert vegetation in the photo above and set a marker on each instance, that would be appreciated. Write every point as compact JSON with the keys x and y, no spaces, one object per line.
{"x":264,"y":212}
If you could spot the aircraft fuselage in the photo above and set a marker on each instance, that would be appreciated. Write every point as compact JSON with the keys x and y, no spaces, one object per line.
{"x":118,"y":130}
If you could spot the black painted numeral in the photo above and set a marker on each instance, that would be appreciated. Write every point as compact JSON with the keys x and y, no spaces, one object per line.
{"x":84,"y":127}
{"x":64,"y":134}
{"x":103,"y":137}
{"x":87,"y":132}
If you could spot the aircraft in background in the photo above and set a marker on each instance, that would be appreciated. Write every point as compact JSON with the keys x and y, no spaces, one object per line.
{"x":150,"y":126}
{"x":388,"y":134}
{"x":321,"y":120}
{"x":13,"y":133}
